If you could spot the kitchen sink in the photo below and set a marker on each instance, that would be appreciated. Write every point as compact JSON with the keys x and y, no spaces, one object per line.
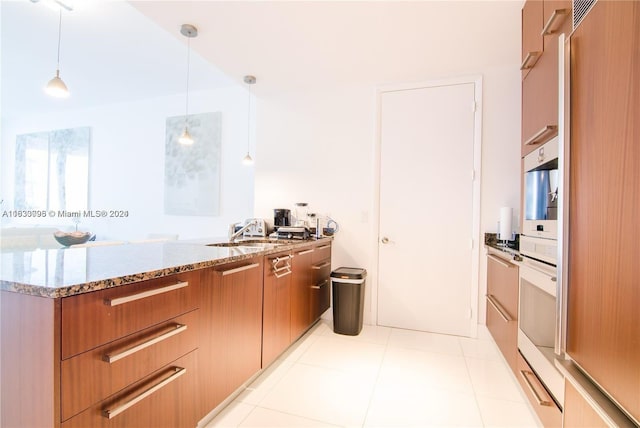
{"x":254,"y":244}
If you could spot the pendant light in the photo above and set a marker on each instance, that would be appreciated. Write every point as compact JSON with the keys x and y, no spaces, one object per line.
{"x":249,"y":80}
{"x":56,"y":87}
{"x":189,"y":31}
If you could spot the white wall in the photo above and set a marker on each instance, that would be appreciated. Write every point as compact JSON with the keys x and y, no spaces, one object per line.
{"x":127,"y":163}
{"x":318,"y":146}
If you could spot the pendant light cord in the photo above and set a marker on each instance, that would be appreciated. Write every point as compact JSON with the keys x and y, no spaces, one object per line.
{"x":59,"y":38}
{"x":186,"y":108}
{"x":249,"y":120}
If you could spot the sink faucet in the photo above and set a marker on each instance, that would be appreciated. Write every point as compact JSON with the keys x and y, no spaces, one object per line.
{"x":234,"y":235}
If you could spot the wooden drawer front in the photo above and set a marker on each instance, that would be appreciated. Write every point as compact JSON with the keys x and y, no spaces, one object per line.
{"x":321,"y":271}
{"x":502,"y":283}
{"x":164,"y":399}
{"x":89,"y":377}
{"x":93,"y":319}
{"x":505,"y":332}
{"x":320,"y":298}
{"x":322,"y":252}
{"x":544,"y":406}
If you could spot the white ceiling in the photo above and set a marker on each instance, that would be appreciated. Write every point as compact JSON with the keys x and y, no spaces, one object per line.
{"x":112,"y":52}
{"x":295,"y":44}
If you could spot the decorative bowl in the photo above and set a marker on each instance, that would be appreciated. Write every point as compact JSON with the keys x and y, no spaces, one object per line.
{"x":72,"y":238}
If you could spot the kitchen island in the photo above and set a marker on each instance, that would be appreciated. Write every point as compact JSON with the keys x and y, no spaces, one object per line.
{"x":152,"y":334}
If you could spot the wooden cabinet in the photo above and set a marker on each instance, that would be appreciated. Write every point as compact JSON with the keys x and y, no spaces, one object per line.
{"x":296,"y":294}
{"x":276,"y":318}
{"x":603,"y":294}
{"x":114,"y":357}
{"x":549,"y":413}
{"x":163,"y":399}
{"x":115,"y":343}
{"x":302,"y":279}
{"x":231,"y":339}
{"x":321,"y":288}
{"x":502,"y":306}
{"x":540,"y":81}
{"x":532,"y":44}
{"x":578,"y":413}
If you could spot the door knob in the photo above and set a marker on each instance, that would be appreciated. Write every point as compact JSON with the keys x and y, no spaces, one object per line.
{"x":385,"y":240}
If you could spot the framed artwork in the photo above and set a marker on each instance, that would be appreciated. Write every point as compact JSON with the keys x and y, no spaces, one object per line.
{"x":192,"y":173}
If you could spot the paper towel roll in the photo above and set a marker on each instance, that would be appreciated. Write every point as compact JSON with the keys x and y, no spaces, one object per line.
{"x":505,"y":223}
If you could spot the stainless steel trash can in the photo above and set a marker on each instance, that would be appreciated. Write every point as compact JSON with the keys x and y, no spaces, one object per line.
{"x":347,"y":285}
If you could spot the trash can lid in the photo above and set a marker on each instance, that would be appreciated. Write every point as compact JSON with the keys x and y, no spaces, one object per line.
{"x":349,"y":273}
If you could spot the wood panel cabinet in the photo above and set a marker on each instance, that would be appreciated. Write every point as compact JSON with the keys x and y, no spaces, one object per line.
{"x":603,"y":294}
{"x":163,"y":399}
{"x":532,"y":44}
{"x":321,"y":288}
{"x":578,"y":413}
{"x":301,"y":283}
{"x":549,"y":413}
{"x":101,"y":358}
{"x":502,"y":306}
{"x":276,"y":318}
{"x":231,"y":339}
{"x":540,"y":83}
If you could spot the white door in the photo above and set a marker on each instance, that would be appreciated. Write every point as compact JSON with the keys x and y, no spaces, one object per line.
{"x":427,"y":209}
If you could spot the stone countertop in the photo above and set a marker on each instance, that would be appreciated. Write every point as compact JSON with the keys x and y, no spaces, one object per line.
{"x":511,"y":251}
{"x":55,"y":273}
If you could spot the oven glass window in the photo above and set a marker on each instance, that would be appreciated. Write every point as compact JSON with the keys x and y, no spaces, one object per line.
{"x":537,"y":316}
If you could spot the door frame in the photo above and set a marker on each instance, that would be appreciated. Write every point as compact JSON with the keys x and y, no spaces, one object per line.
{"x":476,"y":80}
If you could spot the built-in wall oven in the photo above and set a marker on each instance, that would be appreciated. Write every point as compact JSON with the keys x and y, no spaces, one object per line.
{"x":538,"y":319}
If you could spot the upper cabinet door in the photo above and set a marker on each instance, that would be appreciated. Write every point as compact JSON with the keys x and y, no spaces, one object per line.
{"x":540,"y":85}
{"x":532,"y":44}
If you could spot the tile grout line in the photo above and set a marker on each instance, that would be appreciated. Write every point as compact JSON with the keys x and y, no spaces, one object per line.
{"x":375,"y":384}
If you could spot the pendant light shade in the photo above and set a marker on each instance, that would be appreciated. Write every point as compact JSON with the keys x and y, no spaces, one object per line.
{"x":249,"y":80}
{"x":56,"y":87}
{"x":189,"y":31}
{"x":185,"y":139}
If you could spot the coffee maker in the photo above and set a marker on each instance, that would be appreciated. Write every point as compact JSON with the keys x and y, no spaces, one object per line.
{"x":281,"y":217}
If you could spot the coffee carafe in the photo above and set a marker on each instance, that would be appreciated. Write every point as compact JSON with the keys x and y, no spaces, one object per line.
{"x":281,"y":217}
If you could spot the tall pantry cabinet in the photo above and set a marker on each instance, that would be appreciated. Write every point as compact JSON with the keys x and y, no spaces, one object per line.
{"x":603,"y":323}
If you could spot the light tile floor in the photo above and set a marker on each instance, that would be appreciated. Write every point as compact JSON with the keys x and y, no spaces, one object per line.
{"x":383,"y":377}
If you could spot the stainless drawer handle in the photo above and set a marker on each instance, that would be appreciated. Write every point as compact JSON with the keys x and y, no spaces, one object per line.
{"x":110,"y":414}
{"x":525,"y":375}
{"x":121,"y":300}
{"x":318,"y":287}
{"x":530,"y":60}
{"x":239,"y":269}
{"x":306,"y":252}
{"x":499,"y":261}
{"x":535,"y":138}
{"x":547,"y":31}
{"x":175,"y":329}
{"x":323,"y":247}
{"x":498,"y":307}
{"x":321,"y":266}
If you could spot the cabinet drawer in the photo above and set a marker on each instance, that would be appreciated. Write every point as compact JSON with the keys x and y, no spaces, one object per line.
{"x":163,"y":399}
{"x":505,"y":333}
{"x":502,"y":283}
{"x":91,"y":376}
{"x":322,"y":252}
{"x":93,"y":319}
{"x":320,"y":298}
{"x":541,"y":401}
{"x":320,"y":271}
